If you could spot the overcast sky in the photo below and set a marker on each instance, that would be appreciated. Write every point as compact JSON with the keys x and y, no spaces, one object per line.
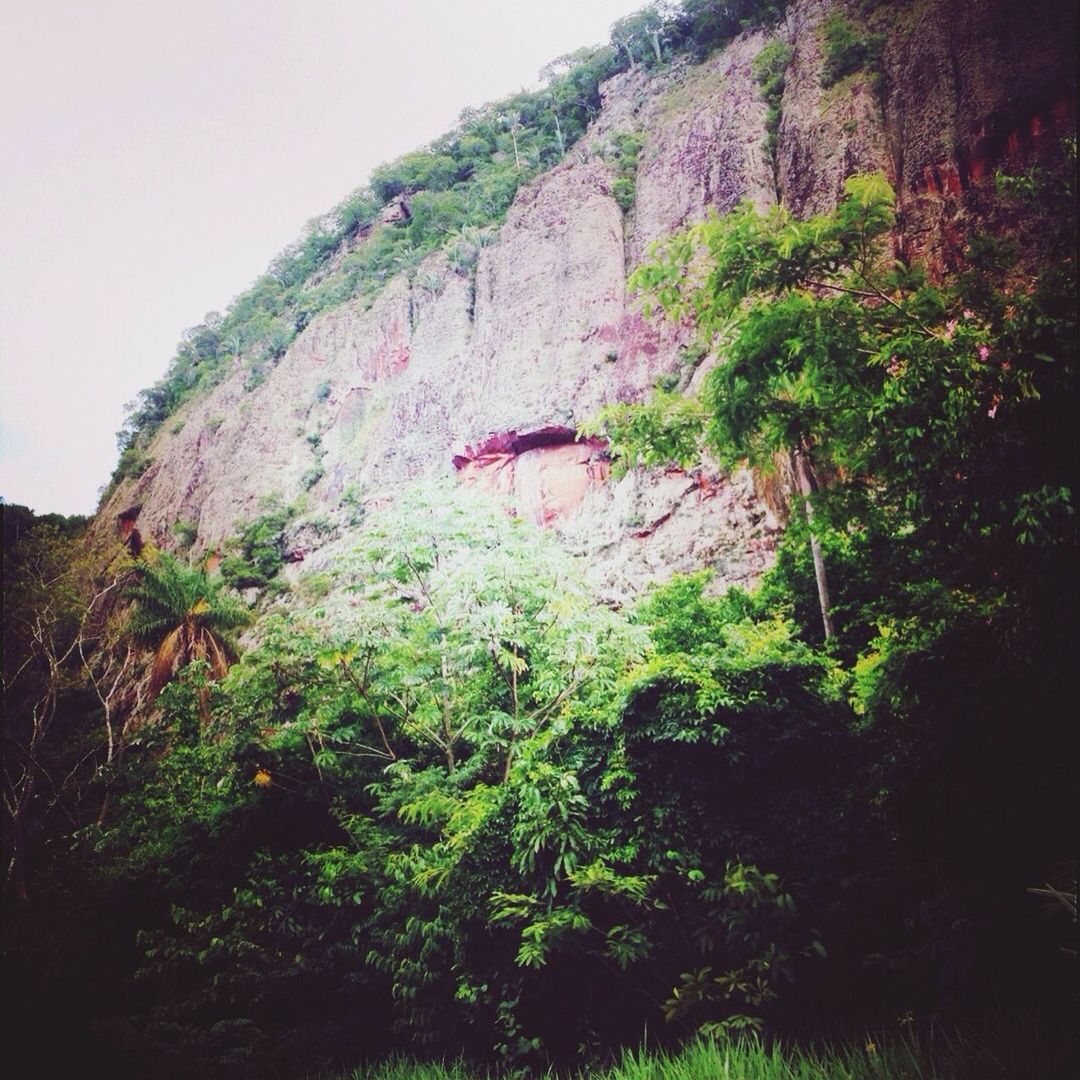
{"x":156,"y":154}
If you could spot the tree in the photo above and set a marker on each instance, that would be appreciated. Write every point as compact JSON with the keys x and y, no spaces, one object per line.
{"x":786,"y":369}
{"x":907,"y":409}
{"x":646,"y":28}
{"x":183,"y":615}
{"x":468,"y":635}
{"x":56,"y":609}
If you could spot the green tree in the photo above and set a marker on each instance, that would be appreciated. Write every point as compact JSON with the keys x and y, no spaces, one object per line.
{"x":804,"y":313}
{"x":643,"y":34}
{"x":472,"y":633}
{"x":56,"y":660}
{"x":184,"y":616}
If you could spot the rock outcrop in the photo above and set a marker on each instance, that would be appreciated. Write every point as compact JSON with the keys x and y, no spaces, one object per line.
{"x":484,"y":375}
{"x":963,"y":87}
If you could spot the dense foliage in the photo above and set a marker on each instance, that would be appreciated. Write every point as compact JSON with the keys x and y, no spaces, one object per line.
{"x":456,"y":808}
{"x":258,"y":551}
{"x":848,"y":48}
{"x":935,"y":421}
{"x":453,"y":807}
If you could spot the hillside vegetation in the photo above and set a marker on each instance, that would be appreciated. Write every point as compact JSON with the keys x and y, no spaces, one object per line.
{"x":458,"y":189}
{"x":437,"y":804}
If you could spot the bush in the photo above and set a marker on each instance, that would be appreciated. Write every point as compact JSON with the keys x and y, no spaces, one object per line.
{"x":133,"y":463}
{"x":848,"y":48}
{"x":185,"y":533}
{"x":256,"y":376}
{"x":435,"y":215}
{"x":770,"y":72}
{"x":313,"y":476}
{"x":261,"y":546}
{"x":623,"y":155}
{"x":623,"y":191}
{"x":238,"y":573}
{"x":418,"y":171}
{"x":316,"y":587}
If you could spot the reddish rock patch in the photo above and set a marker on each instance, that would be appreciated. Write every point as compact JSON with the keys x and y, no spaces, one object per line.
{"x":545,"y":474}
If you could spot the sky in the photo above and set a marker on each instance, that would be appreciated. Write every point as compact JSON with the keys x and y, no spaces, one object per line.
{"x":156,"y":154}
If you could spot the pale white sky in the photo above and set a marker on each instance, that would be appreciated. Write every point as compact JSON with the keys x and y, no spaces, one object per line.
{"x":156,"y":154}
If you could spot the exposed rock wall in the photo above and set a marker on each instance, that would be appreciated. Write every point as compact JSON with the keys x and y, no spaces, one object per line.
{"x":825,"y":134}
{"x":703,"y":147}
{"x":483,"y":376}
{"x":963,"y":87}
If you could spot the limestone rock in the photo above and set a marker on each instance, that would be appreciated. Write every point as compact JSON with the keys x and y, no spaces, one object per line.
{"x":485,"y":375}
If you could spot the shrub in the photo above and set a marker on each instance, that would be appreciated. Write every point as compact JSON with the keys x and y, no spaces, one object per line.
{"x":431,"y":283}
{"x":261,"y":546}
{"x":133,"y":463}
{"x":238,"y":573}
{"x":770,"y":72}
{"x":420,"y":170}
{"x":316,"y":586}
{"x":353,"y":501}
{"x":848,"y":48}
{"x":313,"y":476}
{"x":435,"y":215}
{"x":624,"y":191}
{"x":623,"y":154}
{"x":185,"y":533}
{"x":278,"y":342}
{"x":257,"y":374}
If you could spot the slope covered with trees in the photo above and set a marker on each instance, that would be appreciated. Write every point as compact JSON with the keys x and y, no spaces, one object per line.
{"x":458,"y":189}
{"x":439,"y":802}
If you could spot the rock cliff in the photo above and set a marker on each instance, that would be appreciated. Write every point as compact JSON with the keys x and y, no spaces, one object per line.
{"x":483,"y":374}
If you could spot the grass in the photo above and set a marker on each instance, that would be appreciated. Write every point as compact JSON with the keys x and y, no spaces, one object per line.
{"x":1011,"y":1052}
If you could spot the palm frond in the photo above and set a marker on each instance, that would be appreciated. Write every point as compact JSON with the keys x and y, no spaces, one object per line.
{"x":184,"y":615}
{"x":168,"y":653}
{"x":215,"y":655}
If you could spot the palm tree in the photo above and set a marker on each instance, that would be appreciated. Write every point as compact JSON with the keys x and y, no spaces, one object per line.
{"x":184,"y":616}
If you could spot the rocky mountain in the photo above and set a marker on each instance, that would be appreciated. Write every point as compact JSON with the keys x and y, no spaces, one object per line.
{"x":483,"y":373}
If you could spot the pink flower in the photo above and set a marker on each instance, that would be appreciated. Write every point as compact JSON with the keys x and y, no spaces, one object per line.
{"x":968,"y":313}
{"x":984,"y":352}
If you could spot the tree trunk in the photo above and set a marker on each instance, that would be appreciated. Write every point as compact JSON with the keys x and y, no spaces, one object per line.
{"x":804,"y":478}
{"x":654,"y":37}
{"x":559,"y":134}
{"x":15,"y":875}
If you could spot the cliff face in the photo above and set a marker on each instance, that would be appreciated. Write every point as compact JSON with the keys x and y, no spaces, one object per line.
{"x":964,"y":87}
{"x":484,"y":375}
